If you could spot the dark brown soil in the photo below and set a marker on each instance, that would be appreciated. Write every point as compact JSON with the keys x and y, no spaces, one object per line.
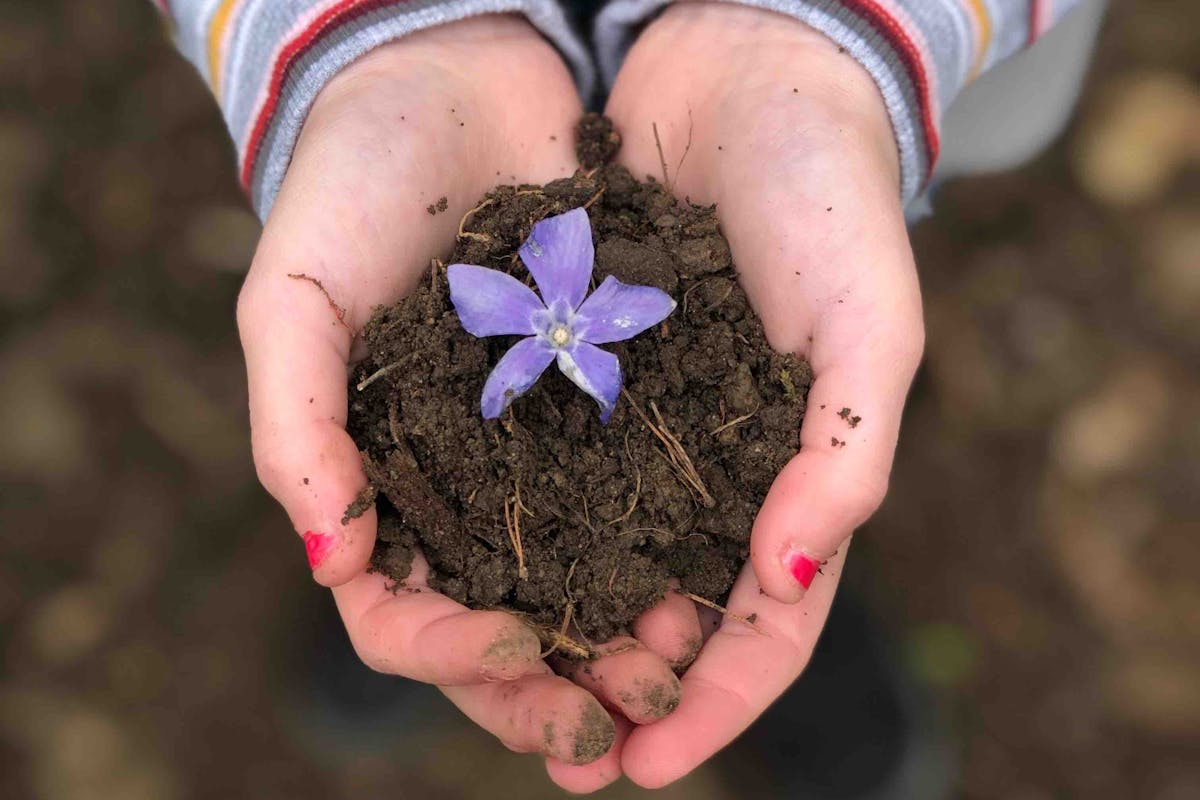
{"x":605,"y":514}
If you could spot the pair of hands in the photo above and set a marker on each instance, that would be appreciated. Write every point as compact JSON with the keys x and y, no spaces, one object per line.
{"x":791,"y":140}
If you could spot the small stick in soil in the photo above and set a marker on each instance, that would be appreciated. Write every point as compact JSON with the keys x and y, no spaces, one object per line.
{"x":691,"y":289}
{"x":338,"y":311}
{"x":732,"y":422}
{"x":594,"y":198}
{"x":513,"y":523}
{"x":379,"y":373}
{"x":685,"y":461}
{"x":724,"y":297}
{"x":675,"y":452}
{"x":519,"y":503}
{"x":722,"y":610}
{"x":559,"y":639}
{"x":465,"y":234}
{"x":648,"y":530}
{"x":637,"y":495}
{"x":662,"y":160}
{"x":434,"y":264}
{"x":570,"y":575}
{"x":394,"y":422}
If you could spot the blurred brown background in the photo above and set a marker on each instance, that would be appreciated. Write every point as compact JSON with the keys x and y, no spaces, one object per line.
{"x":1037,"y":558}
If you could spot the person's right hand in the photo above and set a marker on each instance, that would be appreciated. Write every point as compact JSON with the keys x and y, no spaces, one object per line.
{"x":446,"y":112}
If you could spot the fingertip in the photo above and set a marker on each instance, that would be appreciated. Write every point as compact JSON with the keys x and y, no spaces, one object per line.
{"x":593,"y":736}
{"x":632,"y":679}
{"x":671,"y":629}
{"x":588,"y":778}
{"x":339,"y":553}
{"x":806,"y":517}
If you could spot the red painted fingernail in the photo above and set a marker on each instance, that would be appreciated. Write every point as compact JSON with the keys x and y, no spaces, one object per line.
{"x":803,"y":568}
{"x":317,"y":546}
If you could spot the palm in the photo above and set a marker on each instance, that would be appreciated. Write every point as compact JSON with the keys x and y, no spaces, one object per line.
{"x":410,"y":124}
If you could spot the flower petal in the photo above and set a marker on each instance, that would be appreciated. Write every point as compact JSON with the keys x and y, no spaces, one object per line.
{"x":596,"y":371}
{"x":617,"y":311}
{"x":559,"y":255}
{"x":515,"y":372}
{"x":490,"y":302}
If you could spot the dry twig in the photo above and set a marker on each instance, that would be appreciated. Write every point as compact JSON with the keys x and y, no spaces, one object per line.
{"x":513,"y":523}
{"x":662,"y":160}
{"x":732,"y":422}
{"x":465,"y":234}
{"x":676,"y":453}
{"x":379,"y":373}
{"x":722,"y":610}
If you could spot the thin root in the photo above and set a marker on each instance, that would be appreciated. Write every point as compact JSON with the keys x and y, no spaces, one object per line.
{"x":434,"y":265}
{"x":662,"y":160}
{"x":513,"y":524}
{"x":722,"y":610}
{"x":724,"y":297}
{"x":691,"y":289}
{"x":465,"y":234}
{"x":338,"y":311}
{"x":732,"y":422}
{"x":637,"y":495}
{"x":394,"y":421}
{"x":687,"y":149}
{"x":594,"y":198}
{"x":559,"y":639}
{"x":379,"y":373}
{"x":676,"y":453}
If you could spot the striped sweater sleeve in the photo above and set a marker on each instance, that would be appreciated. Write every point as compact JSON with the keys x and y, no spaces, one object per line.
{"x":921,"y":53}
{"x":266,"y":60}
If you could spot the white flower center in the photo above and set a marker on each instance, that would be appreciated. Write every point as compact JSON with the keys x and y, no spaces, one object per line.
{"x":560,"y":335}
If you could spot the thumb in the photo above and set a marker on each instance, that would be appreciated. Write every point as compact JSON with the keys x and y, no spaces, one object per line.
{"x":296,"y":350}
{"x":867,"y":337}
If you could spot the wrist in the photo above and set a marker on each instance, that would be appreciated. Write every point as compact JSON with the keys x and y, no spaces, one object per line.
{"x":760,"y":60}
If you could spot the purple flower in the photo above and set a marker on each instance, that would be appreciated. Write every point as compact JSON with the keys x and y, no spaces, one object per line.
{"x":561,"y":324}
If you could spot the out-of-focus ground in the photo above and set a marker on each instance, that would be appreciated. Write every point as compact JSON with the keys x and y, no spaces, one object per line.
{"x":1037,"y":557}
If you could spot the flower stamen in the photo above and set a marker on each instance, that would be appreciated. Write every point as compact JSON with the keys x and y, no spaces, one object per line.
{"x":560,"y":335}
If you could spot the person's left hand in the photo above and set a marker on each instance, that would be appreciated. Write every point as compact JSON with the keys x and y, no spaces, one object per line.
{"x":791,"y":140}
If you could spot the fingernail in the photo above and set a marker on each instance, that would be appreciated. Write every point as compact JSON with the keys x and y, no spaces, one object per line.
{"x":317,"y":546}
{"x":802,"y":566}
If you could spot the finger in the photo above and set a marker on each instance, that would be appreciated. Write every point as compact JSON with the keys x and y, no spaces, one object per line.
{"x":864,"y":360}
{"x":629,"y":677}
{"x":539,"y":714}
{"x":739,"y":672}
{"x":296,"y":353}
{"x":828,"y":266}
{"x":428,"y":637}
{"x":587,"y":778}
{"x":671,"y":629}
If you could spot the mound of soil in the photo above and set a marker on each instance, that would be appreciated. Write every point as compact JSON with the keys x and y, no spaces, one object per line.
{"x":603,"y":516}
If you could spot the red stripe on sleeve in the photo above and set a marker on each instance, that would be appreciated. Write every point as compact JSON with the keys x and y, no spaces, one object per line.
{"x":332,"y":18}
{"x":887,"y":26}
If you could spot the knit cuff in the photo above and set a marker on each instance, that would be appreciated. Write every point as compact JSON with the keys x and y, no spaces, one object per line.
{"x":919,"y":53}
{"x":267,"y":60}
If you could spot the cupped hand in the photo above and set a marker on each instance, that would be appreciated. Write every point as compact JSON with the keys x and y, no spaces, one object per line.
{"x":790,"y":138}
{"x":448,"y":112}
